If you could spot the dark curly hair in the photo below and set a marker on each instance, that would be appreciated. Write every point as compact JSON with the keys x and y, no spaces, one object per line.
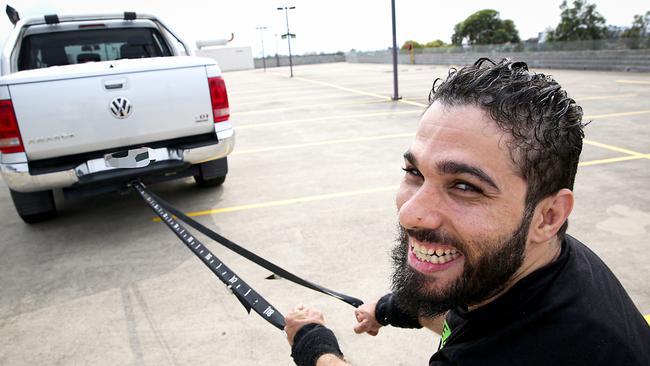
{"x":544,"y":124}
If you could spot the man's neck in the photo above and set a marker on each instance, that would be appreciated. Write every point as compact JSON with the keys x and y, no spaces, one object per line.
{"x":538,"y":255}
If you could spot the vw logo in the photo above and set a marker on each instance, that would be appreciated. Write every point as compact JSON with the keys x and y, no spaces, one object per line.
{"x":120,"y":107}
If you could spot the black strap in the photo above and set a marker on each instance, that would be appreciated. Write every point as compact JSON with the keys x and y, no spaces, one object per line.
{"x":254,"y":257}
{"x":248,"y":297}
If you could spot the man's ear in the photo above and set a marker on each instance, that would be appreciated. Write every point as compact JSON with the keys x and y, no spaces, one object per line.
{"x":550,"y":215}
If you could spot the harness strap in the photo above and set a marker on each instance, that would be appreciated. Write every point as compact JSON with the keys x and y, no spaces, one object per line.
{"x":248,"y":297}
{"x":279,"y":271}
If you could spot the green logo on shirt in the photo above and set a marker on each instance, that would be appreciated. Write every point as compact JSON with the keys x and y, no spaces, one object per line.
{"x":446,"y":332}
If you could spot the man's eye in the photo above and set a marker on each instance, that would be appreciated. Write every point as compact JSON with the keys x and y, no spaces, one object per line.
{"x":412,"y":171}
{"x":466,"y":187}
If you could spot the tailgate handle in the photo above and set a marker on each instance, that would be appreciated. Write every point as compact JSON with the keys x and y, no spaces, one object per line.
{"x":114,"y":84}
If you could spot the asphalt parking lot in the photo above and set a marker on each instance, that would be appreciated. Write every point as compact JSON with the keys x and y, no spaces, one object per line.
{"x":311,"y":187}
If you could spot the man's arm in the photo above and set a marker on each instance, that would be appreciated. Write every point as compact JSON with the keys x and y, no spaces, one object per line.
{"x":367,"y":321}
{"x":311,"y":342}
{"x":330,"y":360}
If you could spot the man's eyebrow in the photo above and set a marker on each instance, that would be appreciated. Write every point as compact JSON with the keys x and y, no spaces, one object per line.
{"x":453,"y":167}
{"x":408,"y":156}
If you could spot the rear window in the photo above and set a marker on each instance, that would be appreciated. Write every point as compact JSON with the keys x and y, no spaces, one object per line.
{"x":76,"y":47}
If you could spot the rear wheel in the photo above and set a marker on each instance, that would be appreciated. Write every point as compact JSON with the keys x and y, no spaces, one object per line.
{"x":215,"y":182}
{"x":212,"y":173}
{"x":34,"y":207}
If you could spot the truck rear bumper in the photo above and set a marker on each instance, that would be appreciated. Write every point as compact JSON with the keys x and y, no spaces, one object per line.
{"x":16,"y":174}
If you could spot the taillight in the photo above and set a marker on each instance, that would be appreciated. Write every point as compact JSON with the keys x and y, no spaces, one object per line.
{"x":219,"y":98}
{"x":10,"y":141}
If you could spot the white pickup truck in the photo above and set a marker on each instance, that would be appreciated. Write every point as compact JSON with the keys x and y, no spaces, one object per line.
{"x":89,"y":103}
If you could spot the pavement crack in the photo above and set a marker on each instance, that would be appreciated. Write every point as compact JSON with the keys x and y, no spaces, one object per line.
{"x":134,"y":341}
{"x":147,"y":313}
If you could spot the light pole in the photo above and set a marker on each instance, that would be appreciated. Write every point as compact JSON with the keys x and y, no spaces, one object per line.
{"x":288,"y":36}
{"x":395,"y":92}
{"x":262,"y":36}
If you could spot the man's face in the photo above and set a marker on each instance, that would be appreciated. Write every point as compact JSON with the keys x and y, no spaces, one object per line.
{"x":461,"y":212}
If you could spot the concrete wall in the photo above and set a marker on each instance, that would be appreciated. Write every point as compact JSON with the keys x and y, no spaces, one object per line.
{"x":613,"y":60}
{"x":272,"y":61}
{"x":229,"y":58}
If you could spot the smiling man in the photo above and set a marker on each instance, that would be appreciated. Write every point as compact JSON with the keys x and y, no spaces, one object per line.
{"x":482,"y":256}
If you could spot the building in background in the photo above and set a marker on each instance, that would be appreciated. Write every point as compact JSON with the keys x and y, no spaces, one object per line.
{"x":228,"y":57}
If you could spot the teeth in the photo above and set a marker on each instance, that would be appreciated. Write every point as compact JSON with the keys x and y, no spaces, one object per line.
{"x":437,"y":256}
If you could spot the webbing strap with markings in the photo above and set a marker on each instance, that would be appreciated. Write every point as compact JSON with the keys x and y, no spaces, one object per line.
{"x":246,"y":295}
{"x":281,"y":272}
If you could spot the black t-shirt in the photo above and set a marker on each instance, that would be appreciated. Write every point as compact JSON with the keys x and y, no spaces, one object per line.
{"x":571,"y":312}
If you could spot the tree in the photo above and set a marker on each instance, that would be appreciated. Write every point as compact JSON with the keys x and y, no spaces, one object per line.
{"x":414,"y":44}
{"x":580,"y":22}
{"x":640,"y":26}
{"x":485,"y":27}
{"x":435,"y":44}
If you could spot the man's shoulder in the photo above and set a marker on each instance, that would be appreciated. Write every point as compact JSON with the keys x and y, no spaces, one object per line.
{"x":583,"y":265}
{"x":588,"y":285}
{"x":575,"y":307}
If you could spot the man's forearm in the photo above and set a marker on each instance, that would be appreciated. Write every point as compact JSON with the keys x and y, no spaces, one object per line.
{"x":329,"y":359}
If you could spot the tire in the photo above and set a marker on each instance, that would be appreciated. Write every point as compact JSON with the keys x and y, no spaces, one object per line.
{"x":34,"y":207}
{"x":215,"y":182}
{"x":212,"y":173}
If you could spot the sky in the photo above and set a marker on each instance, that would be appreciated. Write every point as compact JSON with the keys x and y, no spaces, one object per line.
{"x":324,"y":26}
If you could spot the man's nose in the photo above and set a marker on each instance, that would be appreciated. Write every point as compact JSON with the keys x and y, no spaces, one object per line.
{"x":421,"y":209}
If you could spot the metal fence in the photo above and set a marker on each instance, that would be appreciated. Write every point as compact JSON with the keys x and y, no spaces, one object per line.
{"x":586,"y":45}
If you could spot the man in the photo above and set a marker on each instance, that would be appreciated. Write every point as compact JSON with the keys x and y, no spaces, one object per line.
{"x":483,"y":258}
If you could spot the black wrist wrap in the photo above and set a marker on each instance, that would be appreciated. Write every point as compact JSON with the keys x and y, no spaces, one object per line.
{"x":312,"y":341}
{"x":388,"y":313}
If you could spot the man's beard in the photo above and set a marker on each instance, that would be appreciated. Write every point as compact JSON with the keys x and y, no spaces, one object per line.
{"x":482,"y":277}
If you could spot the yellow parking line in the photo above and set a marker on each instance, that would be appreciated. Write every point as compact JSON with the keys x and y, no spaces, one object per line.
{"x":612,"y":160}
{"x":355,"y":91}
{"x":647,"y":318}
{"x":265,"y":91}
{"x":342,"y":88}
{"x":580,"y":99}
{"x":328,"y":105}
{"x":632,"y":154}
{"x":320,"y":143}
{"x":612,"y":148}
{"x":288,"y":201}
{"x":353,"y":193}
{"x":287,"y":95}
{"x":328,"y":118}
{"x":599,"y":116}
{"x":296,"y":100}
{"x":633,"y":82}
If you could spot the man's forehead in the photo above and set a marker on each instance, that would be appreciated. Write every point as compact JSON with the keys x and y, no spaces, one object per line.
{"x":466,"y":118}
{"x":465,"y":133}
{"x":458,"y":123}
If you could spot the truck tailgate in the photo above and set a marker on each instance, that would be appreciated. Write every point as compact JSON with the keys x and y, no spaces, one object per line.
{"x":136,"y":105}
